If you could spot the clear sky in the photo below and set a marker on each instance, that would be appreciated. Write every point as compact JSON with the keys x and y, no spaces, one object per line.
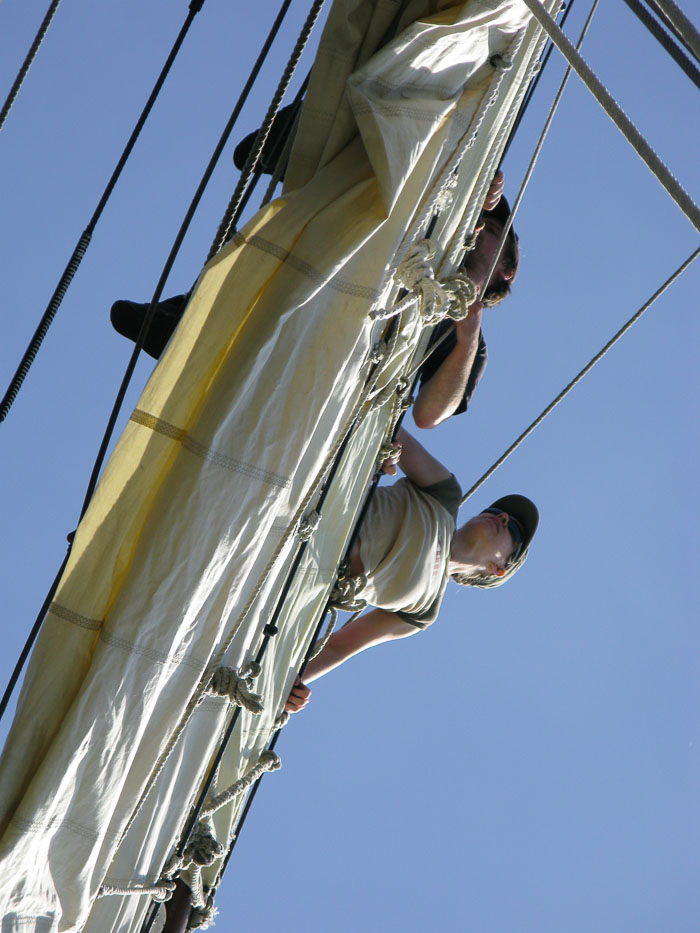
{"x":531,"y":762}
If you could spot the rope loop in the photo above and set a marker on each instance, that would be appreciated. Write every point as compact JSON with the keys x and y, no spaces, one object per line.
{"x":237,"y":685}
{"x":321,"y":642}
{"x":268,"y":761}
{"x":308,"y":525}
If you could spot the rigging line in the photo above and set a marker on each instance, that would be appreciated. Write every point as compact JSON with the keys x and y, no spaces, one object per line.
{"x":535,"y":155}
{"x":233,"y":210}
{"x":31,"y":638}
{"x":81,"y":247}
{"x":150,"y":314}
{"x":415,"y":370}
{"x":655,"y":8}
{"x":586,"y":369}
{"x":665,"y":40}
{"x":269,"y":630}
{"x":533,"y":87}
{"x":616,"y":114}
{"x":27,"y":63}
{"x":142,"y":335}
{"x":682,"y":26}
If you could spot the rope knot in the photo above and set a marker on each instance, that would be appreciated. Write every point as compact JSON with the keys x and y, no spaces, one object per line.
{"x":415,"y":265}
{"x":308,"y":525}
{"x":237,"y":684}
{"x":202,"y":848}
{"x":269,"y":761}
{"x":344,"y":594}
{"x":167,"y":889}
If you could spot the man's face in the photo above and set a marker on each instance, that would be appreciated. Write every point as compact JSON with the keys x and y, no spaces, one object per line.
{"x":478,"y":262}
{"x":490,"y":540}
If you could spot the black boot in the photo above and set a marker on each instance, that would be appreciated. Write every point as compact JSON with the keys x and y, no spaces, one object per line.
{"x":274,"y":144}
{"x":128,"y":316}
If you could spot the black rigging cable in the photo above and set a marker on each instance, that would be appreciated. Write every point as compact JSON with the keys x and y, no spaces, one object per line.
{"x":678,"y":23}
{"x":657,"y":31}
{"x":81,"y":247}
{"x":533,"y":87}
{"x":27,"y":63}
{"x":137,"y":349}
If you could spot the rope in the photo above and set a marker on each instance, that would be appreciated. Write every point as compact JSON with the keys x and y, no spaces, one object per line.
{"x":27,"y":64}
{"x":541,"y":66}
{"x":330,"y":463}
{"x":665,"y":40}
{"x":232,"y":214}
{"x":84,"y":241}
{"x":538,"y":148}
{"x":160,"y":892}
{"x":575,"y":381}
{"x":236,"y":684}
{"x":616,"y":114}
{"x":676,"y":19}
{"x":268,"y":761}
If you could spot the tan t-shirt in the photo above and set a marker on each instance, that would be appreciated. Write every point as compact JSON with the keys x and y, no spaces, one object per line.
{"x":405,"y":547}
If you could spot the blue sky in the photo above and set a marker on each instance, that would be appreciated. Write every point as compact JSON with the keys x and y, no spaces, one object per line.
{"x":531,"y":763}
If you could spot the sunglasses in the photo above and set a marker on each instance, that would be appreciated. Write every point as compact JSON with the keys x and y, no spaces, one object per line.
{"x":516,"y":533}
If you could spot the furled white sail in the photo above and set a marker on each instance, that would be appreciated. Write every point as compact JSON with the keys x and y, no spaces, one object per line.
{"x":193,"y":527}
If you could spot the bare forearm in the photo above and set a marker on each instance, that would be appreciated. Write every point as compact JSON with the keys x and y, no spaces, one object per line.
{"x":373,"y":628}
{"x":441,"y":395}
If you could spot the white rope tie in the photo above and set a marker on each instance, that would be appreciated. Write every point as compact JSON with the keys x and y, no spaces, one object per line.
{"x":236,"y":684}
{"x":268,"y":761}
{"x":160,"y":892}
{"x":321,"y":642}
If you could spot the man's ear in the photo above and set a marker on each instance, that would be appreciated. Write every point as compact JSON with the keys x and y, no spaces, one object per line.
{"x":494,"y":569}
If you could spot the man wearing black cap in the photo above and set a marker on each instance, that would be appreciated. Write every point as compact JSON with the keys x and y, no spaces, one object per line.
{"x":407,"y":550}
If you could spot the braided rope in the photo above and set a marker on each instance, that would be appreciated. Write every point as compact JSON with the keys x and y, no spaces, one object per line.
{"x":679,"y":23}
{"x":268,"y":761}
{"x":661,"y":36}
{"x":27,"y":63}
{"x":616,"y":114}
{"x":160,"y":892}
{"x":538,"y":148}
{"x":575,"y":381}
{"x":232,"y":211}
